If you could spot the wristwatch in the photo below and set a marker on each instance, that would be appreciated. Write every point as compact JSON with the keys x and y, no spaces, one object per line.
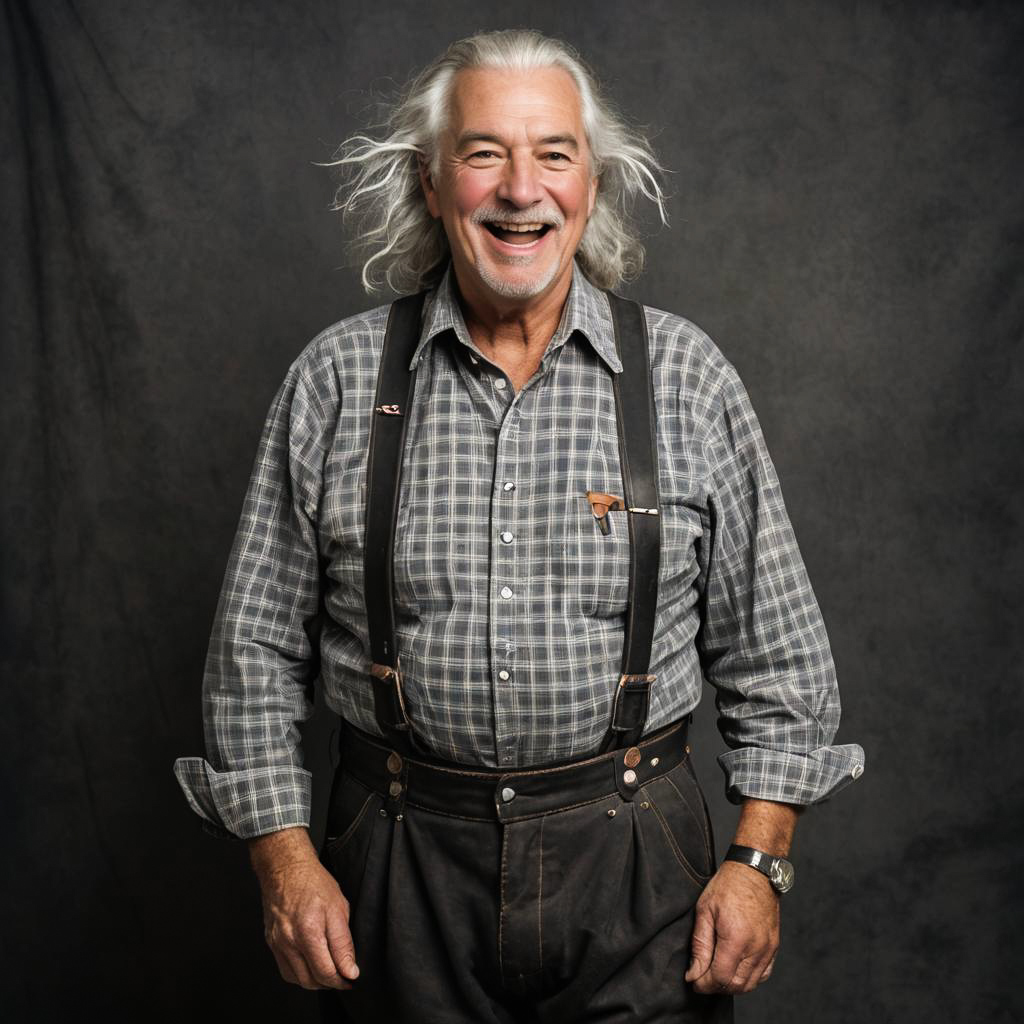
{"x":779,"y":870}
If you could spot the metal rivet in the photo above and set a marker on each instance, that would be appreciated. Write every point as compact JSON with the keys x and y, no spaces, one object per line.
{"x":629,"y":777}
{"x":645,"y":805}
{"x":395,"y":788}
{"x":632,"y":758}
{"x":383,"y":813}
{"x":394,"y":764}
{"x":508,"y":793}
{"x":398,"y":817}
{"x":687,"y":747}
{"x":654,"y":762}
{"x":611,"y":813}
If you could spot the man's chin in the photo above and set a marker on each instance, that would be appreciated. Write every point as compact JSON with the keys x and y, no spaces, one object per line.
{"x":510,"y":285}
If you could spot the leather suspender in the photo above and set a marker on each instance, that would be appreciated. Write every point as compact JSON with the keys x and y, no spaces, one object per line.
{"x":634,"y":408}
{"x":638,"y":457}
{"x":383,"y":482}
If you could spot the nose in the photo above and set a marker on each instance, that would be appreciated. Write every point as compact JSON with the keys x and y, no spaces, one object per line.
{"x":520,"y":182}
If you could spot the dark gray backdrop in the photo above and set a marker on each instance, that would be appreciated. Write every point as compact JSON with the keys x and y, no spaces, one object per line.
{"x":846,"y":224}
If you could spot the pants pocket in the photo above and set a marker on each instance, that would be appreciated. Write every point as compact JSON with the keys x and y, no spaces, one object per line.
{"x":351,"y":815}
{"x":677,"y":805}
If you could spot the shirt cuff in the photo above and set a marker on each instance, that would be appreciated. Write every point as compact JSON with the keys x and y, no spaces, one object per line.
{"x":249,"y":803}
{"x":790,"y":777}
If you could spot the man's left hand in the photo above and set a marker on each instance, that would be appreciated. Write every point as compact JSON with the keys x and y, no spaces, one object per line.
{"x":736,"y":934}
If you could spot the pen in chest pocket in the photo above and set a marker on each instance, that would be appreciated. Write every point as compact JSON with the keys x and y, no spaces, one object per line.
{"x":601,"y":504}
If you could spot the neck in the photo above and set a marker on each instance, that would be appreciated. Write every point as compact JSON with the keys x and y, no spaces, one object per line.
{"x":513,"y":330}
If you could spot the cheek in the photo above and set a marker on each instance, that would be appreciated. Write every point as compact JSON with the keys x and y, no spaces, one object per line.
{"x":572,"y":197}
{"x":470,"y":192}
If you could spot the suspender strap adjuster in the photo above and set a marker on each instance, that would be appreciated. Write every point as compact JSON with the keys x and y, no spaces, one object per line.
{"x":389,"y":709}
{"x":629,"y":712}
{"x":388,"y":699}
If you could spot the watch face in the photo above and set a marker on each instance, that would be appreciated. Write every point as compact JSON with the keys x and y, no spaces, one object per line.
{"x":782,"y":875}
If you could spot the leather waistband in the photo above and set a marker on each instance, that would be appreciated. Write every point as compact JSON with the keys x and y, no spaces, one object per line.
{"x":490,"y":794}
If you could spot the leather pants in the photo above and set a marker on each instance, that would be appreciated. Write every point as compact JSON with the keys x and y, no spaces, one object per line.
{"x":488,"y":897}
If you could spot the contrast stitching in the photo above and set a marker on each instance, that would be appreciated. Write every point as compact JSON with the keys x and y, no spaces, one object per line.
{"x":644,"y":744}
{"x":336,"y":844}
{"x":701,"y":816}
{"x":689,"y":806}
{"x":501,"y":915}
{"x":674,"y":846}
{"x":540,"y":901}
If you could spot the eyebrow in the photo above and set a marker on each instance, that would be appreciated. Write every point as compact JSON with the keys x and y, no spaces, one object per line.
{"x":548,"y":140}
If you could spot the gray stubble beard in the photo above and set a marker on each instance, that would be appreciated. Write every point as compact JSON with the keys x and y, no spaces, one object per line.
{"x":516,"y":289}
{"x":522,"y":290}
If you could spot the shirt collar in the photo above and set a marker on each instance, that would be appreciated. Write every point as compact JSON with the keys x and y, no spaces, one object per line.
{"x":586,"y":310}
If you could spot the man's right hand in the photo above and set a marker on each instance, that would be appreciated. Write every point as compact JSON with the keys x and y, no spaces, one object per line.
{"x":305,"y":914}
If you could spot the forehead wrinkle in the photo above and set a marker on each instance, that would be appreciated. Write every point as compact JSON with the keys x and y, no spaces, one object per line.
{"x":467,"y":85}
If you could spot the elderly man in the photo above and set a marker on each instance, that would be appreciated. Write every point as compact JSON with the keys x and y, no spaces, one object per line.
{"x":510,"y":522}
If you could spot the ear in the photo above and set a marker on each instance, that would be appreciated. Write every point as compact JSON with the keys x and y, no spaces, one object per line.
{"x":593,"y":196}
{"x":427,"y":184}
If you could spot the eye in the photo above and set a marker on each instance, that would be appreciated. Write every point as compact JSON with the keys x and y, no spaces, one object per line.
{"x":557,"y":156}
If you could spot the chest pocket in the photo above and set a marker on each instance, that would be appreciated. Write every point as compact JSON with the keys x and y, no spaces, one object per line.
{"x":599,"y":562}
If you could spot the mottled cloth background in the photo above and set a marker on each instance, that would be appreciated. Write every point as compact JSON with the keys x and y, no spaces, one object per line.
{"x":846,"y":224}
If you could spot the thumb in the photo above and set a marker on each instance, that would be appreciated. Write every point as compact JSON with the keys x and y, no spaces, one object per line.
{"x":702,"y":946}
{"x":339,"y":941}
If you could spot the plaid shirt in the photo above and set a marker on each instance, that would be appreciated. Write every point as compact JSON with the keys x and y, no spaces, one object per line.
{"x":510,"y":601}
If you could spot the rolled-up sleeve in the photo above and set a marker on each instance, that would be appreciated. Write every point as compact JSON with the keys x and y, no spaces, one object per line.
{"x":263,"y":655}
{"x":762,"y":641}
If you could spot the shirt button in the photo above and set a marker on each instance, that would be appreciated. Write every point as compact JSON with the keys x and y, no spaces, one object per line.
{"x":508,"y":794}
{"x":506,"y":536}
{"x":506,"y":591}
{"x":499,"y":383}
{"x":504,"y":674}
{"x":858,"y":771}
{"x":508,"y":486}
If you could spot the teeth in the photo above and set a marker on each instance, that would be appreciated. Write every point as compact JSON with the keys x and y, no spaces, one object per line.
{"x":517,"y":227}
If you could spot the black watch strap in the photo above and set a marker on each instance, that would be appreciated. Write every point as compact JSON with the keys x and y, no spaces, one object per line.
{"x":778,"y":870}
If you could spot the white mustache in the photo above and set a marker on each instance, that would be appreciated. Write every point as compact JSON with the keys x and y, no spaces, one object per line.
{"x":550,"y":217}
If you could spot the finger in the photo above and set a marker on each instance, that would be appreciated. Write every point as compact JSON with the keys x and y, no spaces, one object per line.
{"x":702,"y":945}
{"x":314,"y":948}
{"x":299,"y":969}
{"x":284,"y":968}
{"x":746,"y":971}
{"x":767,"y":972}
{"x":724,"y":965}
{"x":341,"y":949}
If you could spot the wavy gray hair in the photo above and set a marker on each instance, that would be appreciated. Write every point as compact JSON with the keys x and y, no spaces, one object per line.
{"x":407,"y":248}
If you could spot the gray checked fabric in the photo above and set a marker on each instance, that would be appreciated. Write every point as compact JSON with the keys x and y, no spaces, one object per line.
{"x":510,"y":599}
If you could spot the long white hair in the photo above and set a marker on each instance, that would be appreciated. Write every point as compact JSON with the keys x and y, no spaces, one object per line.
{"x":406,"y":248}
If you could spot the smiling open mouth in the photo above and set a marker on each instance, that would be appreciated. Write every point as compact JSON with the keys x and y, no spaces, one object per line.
{"x":517,"y":234}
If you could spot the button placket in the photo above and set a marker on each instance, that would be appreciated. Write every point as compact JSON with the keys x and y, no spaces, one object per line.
{"x":504,"y":586}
